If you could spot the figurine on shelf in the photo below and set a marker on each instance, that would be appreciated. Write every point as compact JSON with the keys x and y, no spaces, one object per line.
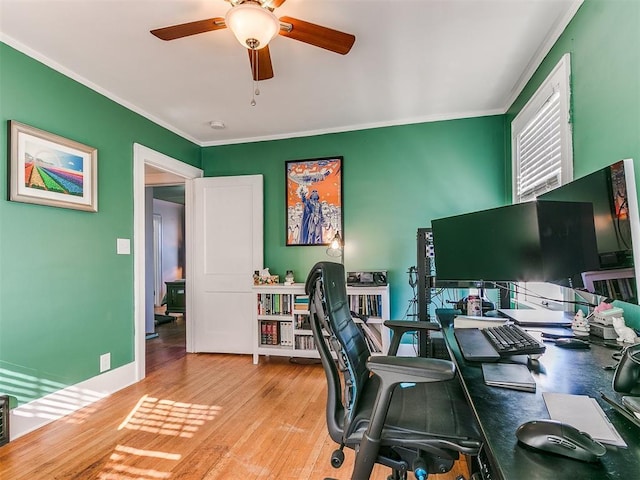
{"x":265,"y":278}
{"x":580,"y":325}
{"x":625,"y":334}
{"x":288,"y":278}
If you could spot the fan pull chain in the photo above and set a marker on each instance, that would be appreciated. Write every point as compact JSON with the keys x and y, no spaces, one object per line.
{"x":256,"y":90}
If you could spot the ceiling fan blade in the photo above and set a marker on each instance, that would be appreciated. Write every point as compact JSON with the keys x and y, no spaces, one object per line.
{"x":260,"y":61}
{"x":317,"y":35}
{"x":191,"y":28}
{"x":273,"y":3}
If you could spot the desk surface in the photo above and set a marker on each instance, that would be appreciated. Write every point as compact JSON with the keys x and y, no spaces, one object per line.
{"x":500,"y":411}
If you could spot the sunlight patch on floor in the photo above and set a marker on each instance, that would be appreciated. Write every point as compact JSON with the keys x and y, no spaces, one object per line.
{"x":147,"y":453}
{"x":120,"y":463}
{"x":168,"y":417}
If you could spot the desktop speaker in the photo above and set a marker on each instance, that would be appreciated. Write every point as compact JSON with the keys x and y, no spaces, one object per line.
{"x":367,"y":279}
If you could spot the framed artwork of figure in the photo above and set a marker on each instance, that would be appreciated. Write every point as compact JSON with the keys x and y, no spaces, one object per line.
{"x":314,"y":200}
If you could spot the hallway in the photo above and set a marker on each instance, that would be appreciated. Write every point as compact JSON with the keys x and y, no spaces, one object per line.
{"x":169,"y":345}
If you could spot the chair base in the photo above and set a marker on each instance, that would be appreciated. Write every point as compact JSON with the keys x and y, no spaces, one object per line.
{"x":337,"y":458}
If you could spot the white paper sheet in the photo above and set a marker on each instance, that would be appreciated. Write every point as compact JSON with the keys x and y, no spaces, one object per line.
{"x":583,"y":413}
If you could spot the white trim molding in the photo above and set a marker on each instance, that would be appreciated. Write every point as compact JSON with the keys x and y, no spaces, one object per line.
{"x":145,"y":156}
{"x":38,"y":413}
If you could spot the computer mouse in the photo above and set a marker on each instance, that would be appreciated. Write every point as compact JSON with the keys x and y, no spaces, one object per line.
{"x":560,"y":438}
{"x":571,"y":343}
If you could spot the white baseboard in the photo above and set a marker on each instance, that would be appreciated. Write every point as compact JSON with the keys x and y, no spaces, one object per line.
{"x":40,"y":412}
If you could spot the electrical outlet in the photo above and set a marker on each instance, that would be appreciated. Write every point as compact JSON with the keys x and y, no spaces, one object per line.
{"x":105,"y":362}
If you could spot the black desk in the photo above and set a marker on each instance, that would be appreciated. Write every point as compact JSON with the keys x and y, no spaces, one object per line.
{"x":500,"y":411}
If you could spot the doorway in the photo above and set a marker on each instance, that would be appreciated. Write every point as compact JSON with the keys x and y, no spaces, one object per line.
{"x":153,"y":168}
{"x":165,"y":263}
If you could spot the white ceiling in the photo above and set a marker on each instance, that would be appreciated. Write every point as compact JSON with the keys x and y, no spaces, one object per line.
{"x":412,"y":61}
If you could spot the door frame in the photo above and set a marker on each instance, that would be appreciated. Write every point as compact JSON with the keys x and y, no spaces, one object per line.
{"x":145,"y":156}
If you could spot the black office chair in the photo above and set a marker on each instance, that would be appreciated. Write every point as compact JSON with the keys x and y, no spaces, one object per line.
{"x":405,"y":413}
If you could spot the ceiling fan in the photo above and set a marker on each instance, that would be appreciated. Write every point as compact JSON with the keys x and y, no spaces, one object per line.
{"x":254,"y":24}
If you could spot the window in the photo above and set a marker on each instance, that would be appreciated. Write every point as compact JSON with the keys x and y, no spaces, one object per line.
{"x":542,"y":159}
{"x":541,"y":138}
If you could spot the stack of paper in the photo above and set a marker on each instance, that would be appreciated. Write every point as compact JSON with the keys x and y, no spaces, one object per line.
{"x":583,"y":413}
{"x":470,"y":321}
{"x":515,"y":376}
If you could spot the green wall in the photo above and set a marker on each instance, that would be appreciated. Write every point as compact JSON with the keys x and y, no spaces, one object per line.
{"x":65,"y":296}
{"x":395,"y":180}
{"x":604,"y":42}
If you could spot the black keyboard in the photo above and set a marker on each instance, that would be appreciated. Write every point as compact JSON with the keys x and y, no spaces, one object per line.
{"x":510,"y":340}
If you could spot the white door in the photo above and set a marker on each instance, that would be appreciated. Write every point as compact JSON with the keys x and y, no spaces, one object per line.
{"x":227,"y":248}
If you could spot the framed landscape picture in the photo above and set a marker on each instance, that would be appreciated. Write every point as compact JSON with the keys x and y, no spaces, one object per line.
{"x":314,"y":200}
{"x":47,"y":169}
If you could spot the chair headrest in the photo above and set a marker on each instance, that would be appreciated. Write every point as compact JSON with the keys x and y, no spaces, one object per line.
{"x":323,"y":269}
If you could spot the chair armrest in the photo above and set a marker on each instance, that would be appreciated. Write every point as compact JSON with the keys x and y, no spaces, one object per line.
{"x":408,"y":325}
{"x":400,"y":327}
{"x":394,"y":370}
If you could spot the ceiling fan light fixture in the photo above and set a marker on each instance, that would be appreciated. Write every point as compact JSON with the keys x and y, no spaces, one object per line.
{"x":253,"y":26}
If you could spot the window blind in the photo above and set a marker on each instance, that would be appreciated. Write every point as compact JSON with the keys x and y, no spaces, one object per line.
{"x":539,"y":149}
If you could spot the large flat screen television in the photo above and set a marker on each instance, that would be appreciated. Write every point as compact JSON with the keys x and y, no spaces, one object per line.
{"x":612,"y":191}
{"x":540,"y":241}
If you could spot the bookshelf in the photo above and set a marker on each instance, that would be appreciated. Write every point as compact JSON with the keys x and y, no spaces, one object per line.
{"x":619,"y":284}
{"x":281,"y":320}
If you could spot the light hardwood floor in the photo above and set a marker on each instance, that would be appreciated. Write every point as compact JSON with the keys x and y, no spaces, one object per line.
{"x":200,"y":416}
{"x":170,"y":345}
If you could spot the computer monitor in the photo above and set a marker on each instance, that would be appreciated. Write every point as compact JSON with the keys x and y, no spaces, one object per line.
{"x":612,"y":191}
{"x":541,"y":241}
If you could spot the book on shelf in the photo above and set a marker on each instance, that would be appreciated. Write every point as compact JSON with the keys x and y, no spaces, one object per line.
{"x":286,"y":334}
{"x":305,"y":342}
{"x":269,"y":332}
{"x":369,"y":305}
{"x":274,"y":304}
{"x":301,"y":302}
{"x":372,"y":336}
{"x":617,"y":288}
{"x":302,"y":322}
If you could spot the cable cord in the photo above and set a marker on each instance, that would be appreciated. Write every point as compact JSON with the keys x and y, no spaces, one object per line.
{"x":541,"y":297}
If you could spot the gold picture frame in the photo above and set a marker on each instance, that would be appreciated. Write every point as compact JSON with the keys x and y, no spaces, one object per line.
{"x":47,"y":169}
